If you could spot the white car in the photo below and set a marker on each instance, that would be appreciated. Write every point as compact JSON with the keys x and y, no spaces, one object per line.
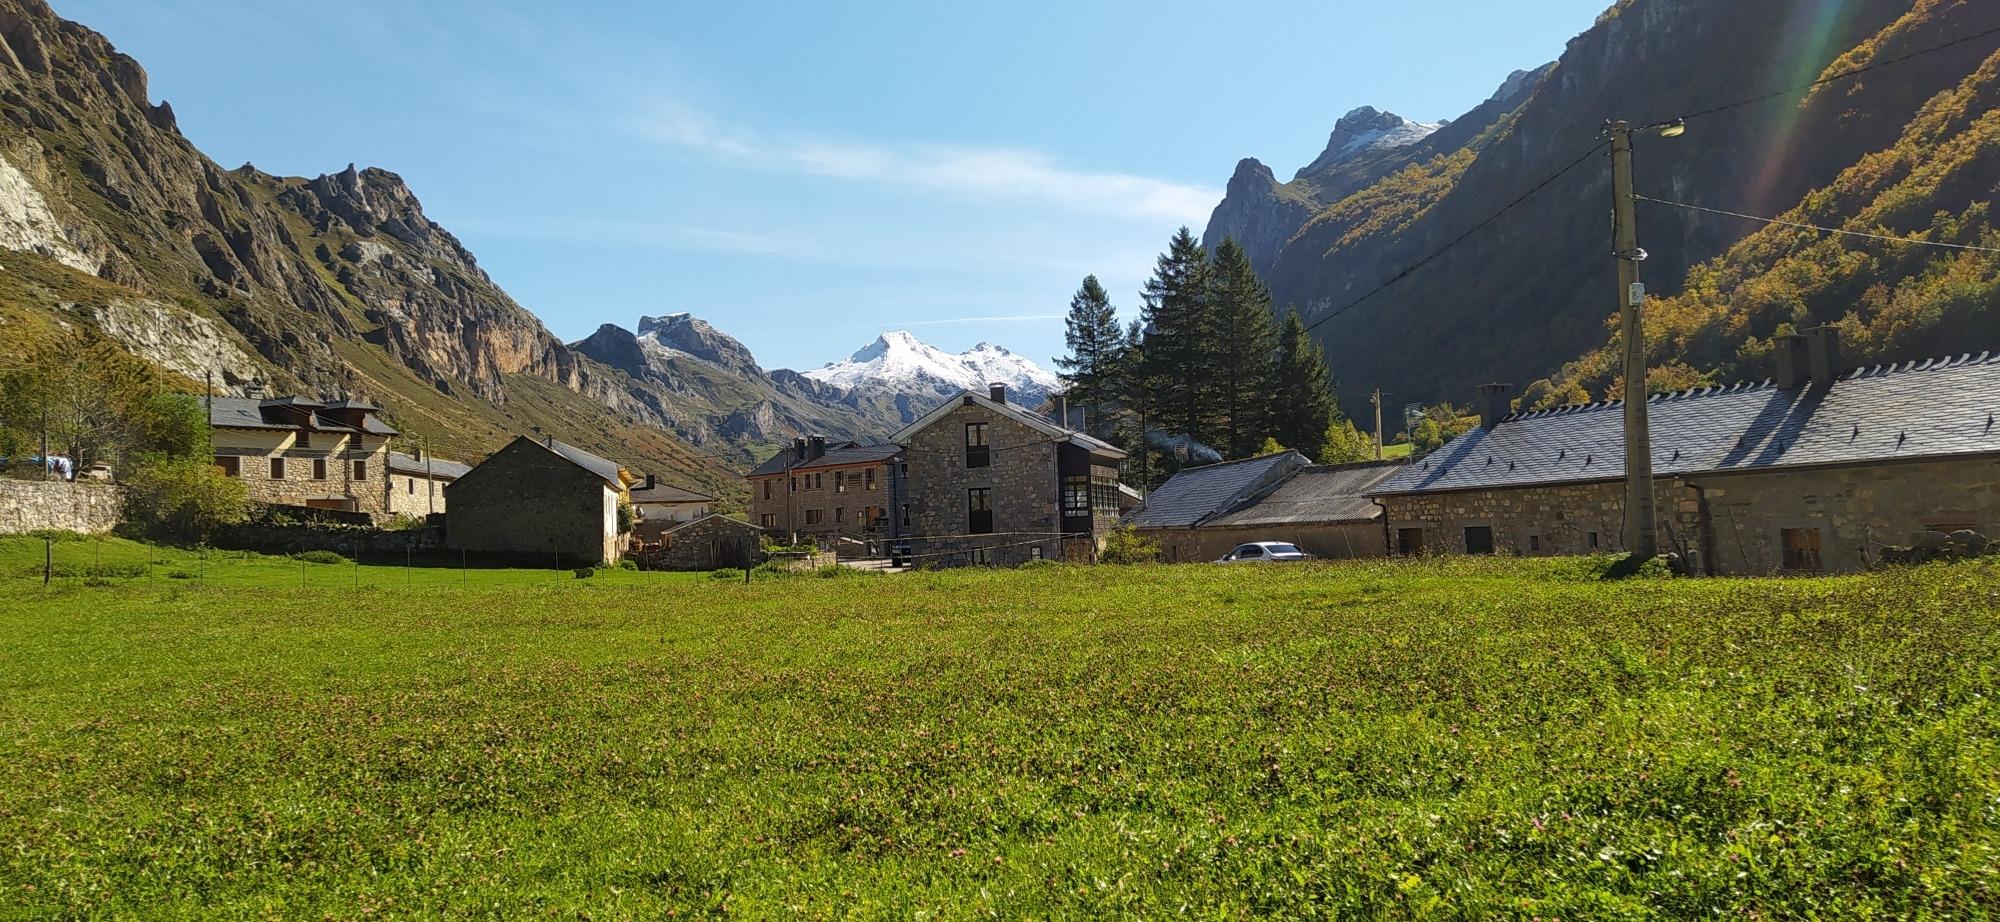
{"x":1265,"y":552}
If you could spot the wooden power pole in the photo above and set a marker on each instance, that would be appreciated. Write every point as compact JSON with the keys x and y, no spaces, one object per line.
{"x":1378,"y":424}
{"x":1641,"y":539}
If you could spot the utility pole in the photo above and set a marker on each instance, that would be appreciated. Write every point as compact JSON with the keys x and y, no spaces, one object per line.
{"x":1640,"y":537}
{"x":1378,"y":424}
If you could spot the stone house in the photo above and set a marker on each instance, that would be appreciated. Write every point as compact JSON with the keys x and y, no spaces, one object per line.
{"x":1813,"y":471}
{"x":711,"y":542}
{"x":993,"y":483}
{"x":296,"y":451}
{"x":658,"y":508}
{"x":417,"y":481}
{"x":1201,"y":513}
{"x":813,"y":490}
{"x":538,"y":500}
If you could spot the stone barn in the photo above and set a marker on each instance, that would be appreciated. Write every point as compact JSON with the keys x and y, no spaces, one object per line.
{"x":1202,"y":513}
{"x":1818,"y":470}
{"x":538,"y":500}
{"x":711,"y":543}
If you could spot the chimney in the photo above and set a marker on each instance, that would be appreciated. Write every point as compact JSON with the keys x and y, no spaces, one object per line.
{"x":997,"y":391}
{"x":798,"y":450}
{"x":416,"y":452}
{"x":1793,"y":369}
{"x":651,"y":481}
{"x":1060,"y":410}
{"x":815,"y":447}
{"x":1823,"y":354}
{"x":1494,"y":404}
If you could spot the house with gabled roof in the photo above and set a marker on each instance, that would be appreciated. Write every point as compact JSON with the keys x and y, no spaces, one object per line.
{"x":1201,"y":513}
{"x":539,"y":500}
{"x":301,"y":451}
{"x":1816,"y":470}
{"x":417,"y":481}
{"x":659,"y":507}
{"x":820,"y":490}
{"x":992,"y":482}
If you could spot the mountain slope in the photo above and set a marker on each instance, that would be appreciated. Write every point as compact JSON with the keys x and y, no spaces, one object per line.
{"x":1519,"y":299}
{"x":118,"y":226}
{"x":899,"y":365}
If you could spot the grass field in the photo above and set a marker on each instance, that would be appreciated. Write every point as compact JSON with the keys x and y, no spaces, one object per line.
{"x":1429,"y":739}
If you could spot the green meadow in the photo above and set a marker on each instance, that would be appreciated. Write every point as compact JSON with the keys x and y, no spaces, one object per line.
{"x":274,"y":738}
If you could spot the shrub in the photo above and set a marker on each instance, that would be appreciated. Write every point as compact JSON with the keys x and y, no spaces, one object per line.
{"x":1125,"y":545}
{"x":625,"y":518}
{"x":726,"y":573}
{"x":626,"y":563}
{"x":585,"y":572}
{"x":179,"y":574}
{"x":320,"y":556}
{"x":403,"y":521}
{"x":185,"y":498}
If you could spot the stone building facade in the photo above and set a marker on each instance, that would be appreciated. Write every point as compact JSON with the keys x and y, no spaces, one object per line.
{"x":294,"y":451}
{"x":991,"y":483}
{"x":58,"y":505}
{"x":1816,"y":470}
{"x":816,"y":491}
{"x":416,"y":483}
{"x":538,"y":500}
{"x":710,"y":543}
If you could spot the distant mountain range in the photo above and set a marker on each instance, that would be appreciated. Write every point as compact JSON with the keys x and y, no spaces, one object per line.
{"x":1910,"y":148}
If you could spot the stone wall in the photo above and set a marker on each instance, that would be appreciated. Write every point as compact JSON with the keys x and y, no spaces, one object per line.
{"x":370,"y":543}
{"x":1332,"y":540}
{"x":34,"y":505}
{"x":321,"y":472}
{"x":530,"y":503}
{"x":415,"y":494}
{"x":1726,"y":524}
{"x":1020,"y":478}
{"x":785,"y":513}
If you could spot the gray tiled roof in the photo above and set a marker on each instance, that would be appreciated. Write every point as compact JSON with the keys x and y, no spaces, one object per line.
{"x":1924,"y":409}
{"x":665,"y":493}
{"x":1320,"y":493}
{"x":859,"y":454}
{"x":604,"y":468}
{"x":437,"y":467}
{"x":282,"y":413}
{"x":1198,"y":493}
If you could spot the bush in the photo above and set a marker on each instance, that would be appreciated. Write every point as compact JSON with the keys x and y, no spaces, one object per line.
{"x":626,"y":563}
{"x":403,"y":521}
{"x":1125,"y":545}
{"x":185,"y":498}
{"x":585,"y":572}
{"x":321,"y":556}
{"x":726,"y":573}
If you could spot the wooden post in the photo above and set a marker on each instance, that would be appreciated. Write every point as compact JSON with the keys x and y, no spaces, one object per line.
{"x":1640,"y":537}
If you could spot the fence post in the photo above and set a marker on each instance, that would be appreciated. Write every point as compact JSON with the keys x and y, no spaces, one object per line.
{"x":48,"y":557}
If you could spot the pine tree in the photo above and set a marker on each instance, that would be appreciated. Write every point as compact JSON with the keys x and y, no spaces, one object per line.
{"x":1095,"y":362}
{"x":1180,"y":343}
{"x":1244,"y":371}
{"x":1302,"y":402}
{"x":1136,"y":390}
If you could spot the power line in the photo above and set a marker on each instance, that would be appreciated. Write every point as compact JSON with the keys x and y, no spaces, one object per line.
{"x":1842,"y":75}
{"x":1455,"y":241}
{"x":1828,"y":230}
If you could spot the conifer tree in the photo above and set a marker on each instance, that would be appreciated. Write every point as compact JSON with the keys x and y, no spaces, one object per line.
{"x":1302,"y":401}
{"x":1243,"y":372}
{"x":1095,"y":363}
{"x":1180,"y":339}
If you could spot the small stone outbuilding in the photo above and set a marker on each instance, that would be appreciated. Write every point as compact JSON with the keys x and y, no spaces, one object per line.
{"x":1202,"y":513}
{"x":711,"y":543}
{"x":538,"y":500}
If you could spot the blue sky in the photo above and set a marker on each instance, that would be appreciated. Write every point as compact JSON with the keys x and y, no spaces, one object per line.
{"x":807,"y":175}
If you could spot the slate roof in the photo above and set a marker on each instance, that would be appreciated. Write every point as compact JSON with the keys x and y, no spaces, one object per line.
{"x":285,"y":413}
{"x":858,"y":454}
{"x":1924,"y":409}
{"x":604,"y":468}
{"x":1316,"y":494}
{"x":1057,"y":432}
{"x":438,"y":467}
{"x":1196,"y":494}
{"x":665,"y":493}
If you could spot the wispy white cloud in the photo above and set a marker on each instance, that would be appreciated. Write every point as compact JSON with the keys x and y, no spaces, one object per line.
{"x":1003,"y":173}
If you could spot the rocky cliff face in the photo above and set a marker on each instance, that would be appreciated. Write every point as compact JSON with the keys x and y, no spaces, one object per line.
{"x":1515,"y":301}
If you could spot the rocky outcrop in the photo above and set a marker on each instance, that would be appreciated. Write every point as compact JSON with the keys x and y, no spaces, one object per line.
{"x":694,"y":336}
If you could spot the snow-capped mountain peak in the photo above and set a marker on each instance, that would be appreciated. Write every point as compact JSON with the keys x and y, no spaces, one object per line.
{"x":1366,"y":129}
{"x":897,"y":362}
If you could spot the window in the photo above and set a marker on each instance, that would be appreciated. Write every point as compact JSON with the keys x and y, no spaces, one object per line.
{"x":768,"y":520}
{"x":1801,"y":549}
{"x":1409,"y":541}
{"x":410,"y":486}
{"x":906,"y":515}
{"x":277,"y":468}
{"x":979,"y":511}
{"x":1592,"y":539}
{"x":1104,"y":490}
{"x":1076,"y":495}
{"x":1034,"y":552}
{"x":977,"y":452}
{"x":231,"y":465}
{"x":839,"y":481}
{"x":767,"y":489}
{"x":1534,"y":542}
{"x":319,"y":468}
{"x":982,"y":556}
{"x":1249,"y":551}
{"x":813,"y":516}
{"x":1479,"y":539}
{"x":868,"y":479}
{"x":839,"y":514}
{"x":360,"y":469}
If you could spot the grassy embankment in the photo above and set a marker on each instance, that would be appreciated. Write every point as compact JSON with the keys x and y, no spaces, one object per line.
{"x":1382,"y":739}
